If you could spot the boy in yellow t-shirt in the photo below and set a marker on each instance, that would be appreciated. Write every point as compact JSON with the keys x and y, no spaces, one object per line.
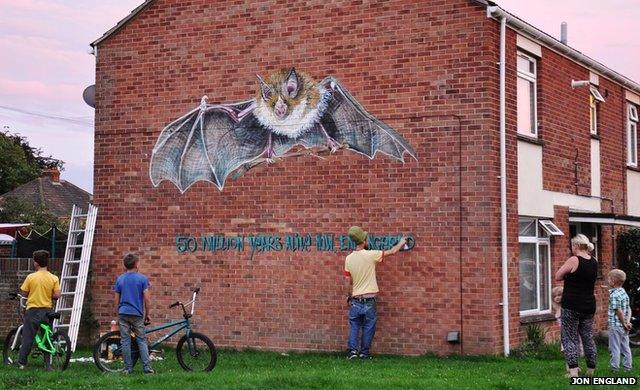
{"x":40,"y":288}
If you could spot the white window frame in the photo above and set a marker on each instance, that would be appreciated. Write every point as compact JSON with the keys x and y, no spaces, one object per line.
{"x":550,"y":227}
{"x":632,"y":135}
{"x":531,"y":77}
{"x":596,"y":94}
{"x":633,"y":112}
{"x":540,"y":241}
{"x":593,"y":115}
{"x":594,"y":98}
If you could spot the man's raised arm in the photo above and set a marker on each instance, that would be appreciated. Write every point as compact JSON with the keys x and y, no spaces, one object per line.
{"x":396,"y":248}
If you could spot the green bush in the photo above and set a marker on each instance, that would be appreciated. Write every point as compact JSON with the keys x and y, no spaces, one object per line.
{"x":629,"y":261}
{"x":536,"y":347}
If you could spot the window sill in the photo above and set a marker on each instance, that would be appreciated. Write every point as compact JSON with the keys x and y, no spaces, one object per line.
{"x":595,"y":136}
{"x":532,"y":140}
{"x":632,"y":168}
{"x":531,"y":318}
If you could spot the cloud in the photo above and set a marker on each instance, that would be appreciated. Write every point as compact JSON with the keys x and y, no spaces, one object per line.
{"x":38,"y":95}
{"x":33,"y":5}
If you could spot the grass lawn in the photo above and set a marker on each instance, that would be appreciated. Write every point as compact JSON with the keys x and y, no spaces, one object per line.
{"x":266,"y":370}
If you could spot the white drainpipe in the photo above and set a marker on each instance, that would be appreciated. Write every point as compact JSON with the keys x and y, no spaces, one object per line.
{"x":503,"y":183}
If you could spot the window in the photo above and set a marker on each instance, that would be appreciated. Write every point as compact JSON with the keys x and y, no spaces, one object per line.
{"x":534,"y":267}
{"x":593,"y":115}
{"x":527,"y":96}
{"x":632,"y":136}
{"x":594,"y":98}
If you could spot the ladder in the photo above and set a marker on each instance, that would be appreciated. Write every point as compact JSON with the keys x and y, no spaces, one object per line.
{"x":75,"y":268}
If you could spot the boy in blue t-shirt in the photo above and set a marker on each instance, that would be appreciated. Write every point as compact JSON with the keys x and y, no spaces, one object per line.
{"x":132,"y":294}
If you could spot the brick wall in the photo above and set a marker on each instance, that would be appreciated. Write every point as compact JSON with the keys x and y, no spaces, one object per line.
{"x":12,"y":274}
{"x":427,"y":69}
{"x":5,"y":251}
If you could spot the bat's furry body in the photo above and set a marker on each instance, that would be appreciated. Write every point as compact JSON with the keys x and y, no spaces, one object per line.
{"x":213,"y":140}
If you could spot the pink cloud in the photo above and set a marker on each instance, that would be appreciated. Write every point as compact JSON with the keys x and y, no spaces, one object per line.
{"x":33,"y":5}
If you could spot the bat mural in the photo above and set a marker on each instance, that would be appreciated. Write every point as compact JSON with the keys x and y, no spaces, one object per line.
{"x":290,"y":108}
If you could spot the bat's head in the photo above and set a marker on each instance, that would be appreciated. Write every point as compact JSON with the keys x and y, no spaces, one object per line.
{"x":282,"y":92}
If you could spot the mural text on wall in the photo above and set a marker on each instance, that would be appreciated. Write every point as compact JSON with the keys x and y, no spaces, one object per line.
{"x":290,"y":242}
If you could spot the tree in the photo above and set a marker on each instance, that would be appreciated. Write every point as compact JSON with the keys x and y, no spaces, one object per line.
{"x":14,"y":167}
{"x":14,"y":210}
{"x":20,"y":162}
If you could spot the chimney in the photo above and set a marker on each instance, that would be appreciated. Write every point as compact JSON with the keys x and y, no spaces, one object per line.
{"x":53,"y":174}
{"x":563,"y":33}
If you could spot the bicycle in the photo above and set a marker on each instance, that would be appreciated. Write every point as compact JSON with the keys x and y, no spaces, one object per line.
{"x":195,"y":351}
{"x":55,"y":347}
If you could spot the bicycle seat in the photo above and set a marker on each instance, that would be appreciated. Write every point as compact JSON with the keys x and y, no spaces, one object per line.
{"x":53,"y":316}
{"x":195,"y":290}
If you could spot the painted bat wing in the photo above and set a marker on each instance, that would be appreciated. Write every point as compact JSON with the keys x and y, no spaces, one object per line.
{"x":349,"y":123}
{"x":208,"y":143}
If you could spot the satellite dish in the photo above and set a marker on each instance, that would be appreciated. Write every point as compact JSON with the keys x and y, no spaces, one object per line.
{"x":89,"y":95}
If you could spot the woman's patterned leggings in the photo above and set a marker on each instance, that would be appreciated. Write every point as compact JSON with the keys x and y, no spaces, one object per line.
{"x":574,"y":324}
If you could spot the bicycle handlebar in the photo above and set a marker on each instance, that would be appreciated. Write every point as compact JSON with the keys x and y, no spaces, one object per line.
{"x":13,"y":295}
{"x":195,"y":291}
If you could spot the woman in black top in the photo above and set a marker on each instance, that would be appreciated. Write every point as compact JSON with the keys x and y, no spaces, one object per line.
{"x":579,"y":273}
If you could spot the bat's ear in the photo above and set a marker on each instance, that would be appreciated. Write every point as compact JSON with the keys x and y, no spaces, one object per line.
{"x":291,"y":85}
{"x":265,"y":89}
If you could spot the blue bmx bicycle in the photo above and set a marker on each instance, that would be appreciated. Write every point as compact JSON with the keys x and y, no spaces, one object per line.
{"x":195,"y":351}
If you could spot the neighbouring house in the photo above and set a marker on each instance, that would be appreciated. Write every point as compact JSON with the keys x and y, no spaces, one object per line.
{"x":49,"y":191}
{"x":459,"y":80}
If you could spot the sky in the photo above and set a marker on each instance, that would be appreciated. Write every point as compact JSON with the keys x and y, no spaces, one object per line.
{"x":45,"y":64}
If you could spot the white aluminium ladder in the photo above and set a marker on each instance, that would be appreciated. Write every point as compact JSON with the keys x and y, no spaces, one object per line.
{"x":75,"y":268}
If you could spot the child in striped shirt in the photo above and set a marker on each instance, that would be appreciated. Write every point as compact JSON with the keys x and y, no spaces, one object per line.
{"x":619,"y":321}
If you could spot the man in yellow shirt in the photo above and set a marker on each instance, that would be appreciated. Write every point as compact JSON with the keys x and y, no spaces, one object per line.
{"x":40,"y":288}
{"x":360,"y":266}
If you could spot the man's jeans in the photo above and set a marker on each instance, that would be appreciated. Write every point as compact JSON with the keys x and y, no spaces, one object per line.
{"x":362,"y":315}
{"x":30,"y":327}
{"x":136,"y":324}
{"x":619,"y":343}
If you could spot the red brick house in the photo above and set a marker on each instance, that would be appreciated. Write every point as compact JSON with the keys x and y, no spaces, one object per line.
{"x":433,"y":72}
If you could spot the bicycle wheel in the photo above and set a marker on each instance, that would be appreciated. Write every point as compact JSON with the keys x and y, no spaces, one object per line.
{"x":12,"y":347}
{"x":62,"y":345}
{"x":196,"y":352}
{"x":107,"y":352}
